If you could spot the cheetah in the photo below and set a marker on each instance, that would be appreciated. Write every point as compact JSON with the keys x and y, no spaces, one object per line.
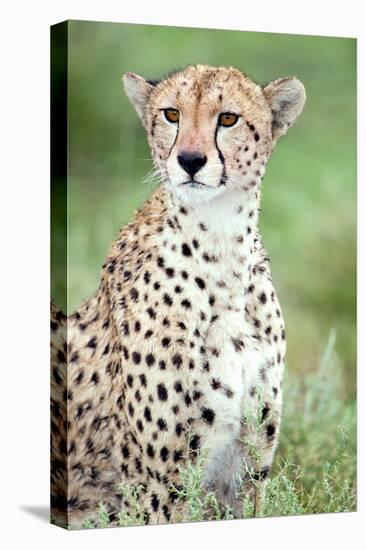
{"x":180,"y":352}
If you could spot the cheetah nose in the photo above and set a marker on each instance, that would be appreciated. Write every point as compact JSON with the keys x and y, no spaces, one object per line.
{"x":191,"y":161}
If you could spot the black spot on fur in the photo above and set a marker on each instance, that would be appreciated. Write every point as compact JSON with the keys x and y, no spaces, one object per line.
{"x":162,"y":425}
{"x":164,"y":454}
{"x":262,"y":297}
{"x":92,"y":342}
{"x":165,"y":342}
{"x":208,"y":415}
{"x":177,"y":455}
{"x":162,"y":392}
{"x":259,"y":476}
{"x":194,"y":443}
{"x":150,"y":359}
{"x":150,"y":450}
{"x":95,"y":378}
{"x":177,"y":360}
{"x":186,"y":251}
{"x":178,"y":386}
{"x":200,"y":282}
{"x":265,"y":412}
{"x":167,"y":300}
{"x":147,"y":414}
{"x":136,"y":357}
{"x":238,"y":344}
{"x":271,"y":430}
{"x":125,"y":451}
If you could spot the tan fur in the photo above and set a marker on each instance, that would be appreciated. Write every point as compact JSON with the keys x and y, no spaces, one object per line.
{"x":183,"y":343}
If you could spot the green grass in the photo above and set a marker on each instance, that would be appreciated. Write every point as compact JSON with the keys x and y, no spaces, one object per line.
{"x":314,"y":470}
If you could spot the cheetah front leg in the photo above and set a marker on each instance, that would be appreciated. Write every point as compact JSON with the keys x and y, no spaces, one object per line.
{"x":244,"y":395}
{"x":238,"y":472}
{"x":260,"y":425}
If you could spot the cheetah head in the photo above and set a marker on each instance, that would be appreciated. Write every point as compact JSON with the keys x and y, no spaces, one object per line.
{"x":212,"y":129}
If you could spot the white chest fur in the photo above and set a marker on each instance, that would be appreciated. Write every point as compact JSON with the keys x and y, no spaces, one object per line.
{"x":220,"y":237}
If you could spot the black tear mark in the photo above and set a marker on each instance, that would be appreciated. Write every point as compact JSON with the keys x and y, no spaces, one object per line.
{"x":175,"y":141}
{"x":223,"y":178}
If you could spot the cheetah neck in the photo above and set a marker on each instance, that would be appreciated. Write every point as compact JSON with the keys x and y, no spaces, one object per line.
{"x":227,"y":216}
{"x":221,"y":234}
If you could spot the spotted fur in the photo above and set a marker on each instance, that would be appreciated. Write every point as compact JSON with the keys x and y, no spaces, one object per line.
{"x":181,"y":349}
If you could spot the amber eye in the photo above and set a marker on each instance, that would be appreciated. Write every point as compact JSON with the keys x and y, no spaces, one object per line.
{"x":172,"y":115}
{"x":227,"y":119}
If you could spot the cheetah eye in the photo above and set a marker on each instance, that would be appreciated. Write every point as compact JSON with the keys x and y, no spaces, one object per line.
{"x":228,"y":119}
{"x":172,"y":115}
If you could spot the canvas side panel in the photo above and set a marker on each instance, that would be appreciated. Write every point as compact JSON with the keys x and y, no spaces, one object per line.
{"x":59,"y":88}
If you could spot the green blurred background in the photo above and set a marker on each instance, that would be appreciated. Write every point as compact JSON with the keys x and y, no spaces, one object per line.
{"x":308,"y":218}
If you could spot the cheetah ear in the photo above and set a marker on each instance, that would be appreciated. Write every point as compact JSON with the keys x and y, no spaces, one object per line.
{"x":138,"y":91}
{"x":286,"y":98}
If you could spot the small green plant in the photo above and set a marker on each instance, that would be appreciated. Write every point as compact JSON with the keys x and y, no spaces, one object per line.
{"x":200,"y":505}
{"x":282,"y":497}
{"x":102,"y":521}
{"x":131,"y":514}
{"x":89,"y":524}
